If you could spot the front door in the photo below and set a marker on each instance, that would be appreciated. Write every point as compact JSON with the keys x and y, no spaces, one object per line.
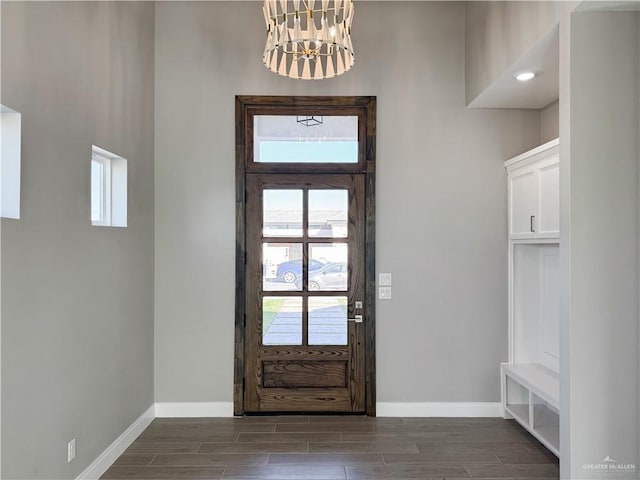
{"x":305,"y":335}
{"x":305,"y":293}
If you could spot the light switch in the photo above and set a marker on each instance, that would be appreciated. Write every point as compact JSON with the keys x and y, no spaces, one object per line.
{"x":384,"y":280}
{"x":384,"y":293}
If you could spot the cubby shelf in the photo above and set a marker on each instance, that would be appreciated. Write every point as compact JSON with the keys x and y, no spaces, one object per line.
{"x":538,"y":378}
{"x":536,"y":403}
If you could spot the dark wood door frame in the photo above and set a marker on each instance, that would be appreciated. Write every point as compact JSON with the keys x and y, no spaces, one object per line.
{"x":365,"y":109}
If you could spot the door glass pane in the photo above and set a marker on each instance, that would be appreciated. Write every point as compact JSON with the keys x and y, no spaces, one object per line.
{"x":305,"y":139}
{"x":333,"y":275}
{"x":328,"y":213}
{"x":282,"y":320}
{"x":281,"y":266}
{"x":282,"y":215}
{"x":327,"y":321}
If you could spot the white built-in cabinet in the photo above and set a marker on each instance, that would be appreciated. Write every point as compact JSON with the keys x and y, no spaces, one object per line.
{"x":530,"y":379}
{"x":533,"y":191}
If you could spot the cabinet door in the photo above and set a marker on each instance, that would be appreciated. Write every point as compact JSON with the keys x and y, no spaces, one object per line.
{"x":524,"y":201}
{"x":549,"y":222}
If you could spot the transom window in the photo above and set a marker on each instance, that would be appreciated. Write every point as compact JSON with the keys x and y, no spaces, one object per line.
{"x":305,"y":139}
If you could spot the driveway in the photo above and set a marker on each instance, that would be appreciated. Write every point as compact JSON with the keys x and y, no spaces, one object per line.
{"x":327,"y":322}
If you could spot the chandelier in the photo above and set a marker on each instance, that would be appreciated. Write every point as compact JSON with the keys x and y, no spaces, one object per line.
{"x":308,"y":39}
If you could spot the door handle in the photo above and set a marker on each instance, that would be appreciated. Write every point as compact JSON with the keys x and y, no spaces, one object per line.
{"x":357,"y":319}
{"x":531,"y":223}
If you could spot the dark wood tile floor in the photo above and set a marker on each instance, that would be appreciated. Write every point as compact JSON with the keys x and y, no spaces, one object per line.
{"x":332,"y":448}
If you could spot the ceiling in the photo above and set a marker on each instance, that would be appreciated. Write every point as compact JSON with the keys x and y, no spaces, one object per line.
{"x":507,"y":92}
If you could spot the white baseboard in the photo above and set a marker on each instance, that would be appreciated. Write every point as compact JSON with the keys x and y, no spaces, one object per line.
{"x":194,"y":409}
{"x":117,"y":448}
{"x":439,"y":409}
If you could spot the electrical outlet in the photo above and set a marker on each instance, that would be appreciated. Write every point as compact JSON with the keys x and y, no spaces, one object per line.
{"x":384,"y":293}
{"x":384,"y":280}
{"x":71,"y":450}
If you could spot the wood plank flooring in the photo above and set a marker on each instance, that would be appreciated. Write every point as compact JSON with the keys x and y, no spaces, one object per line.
{"x":334,"y":448}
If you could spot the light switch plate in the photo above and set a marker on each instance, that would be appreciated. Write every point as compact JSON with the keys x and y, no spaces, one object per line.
{"x":384,"y":279}
{"x":384,"y":293}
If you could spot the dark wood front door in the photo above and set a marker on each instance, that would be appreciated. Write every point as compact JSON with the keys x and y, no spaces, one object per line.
{"x":305,"y":266}
{"x":305,"y":293}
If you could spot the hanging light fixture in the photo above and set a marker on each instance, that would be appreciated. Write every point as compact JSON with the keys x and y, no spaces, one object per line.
{"x":308,"y":39}
{"x":309,"y":120}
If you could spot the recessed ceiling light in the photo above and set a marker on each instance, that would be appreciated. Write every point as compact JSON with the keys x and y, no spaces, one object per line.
{"x":524,"y":76}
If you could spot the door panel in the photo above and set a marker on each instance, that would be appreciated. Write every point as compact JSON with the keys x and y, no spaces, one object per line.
{"x":524,"y":201}
{"x":305,"y":272}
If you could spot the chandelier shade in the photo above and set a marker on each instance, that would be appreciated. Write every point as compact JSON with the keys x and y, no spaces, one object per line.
{"x":308,"y":39}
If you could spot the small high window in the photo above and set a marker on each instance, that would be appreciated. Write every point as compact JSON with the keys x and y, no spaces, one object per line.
{"x":108,"y":189}
{"x":10,"y":132}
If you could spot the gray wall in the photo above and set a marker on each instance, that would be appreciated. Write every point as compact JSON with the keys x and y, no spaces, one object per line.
{"x":444,"y":333}
{"x":77,"y":300}
{"x":564,"y":115}
{"x":604,"y":223}
{"x":550,"y":122}
{"x":498,"y":33}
